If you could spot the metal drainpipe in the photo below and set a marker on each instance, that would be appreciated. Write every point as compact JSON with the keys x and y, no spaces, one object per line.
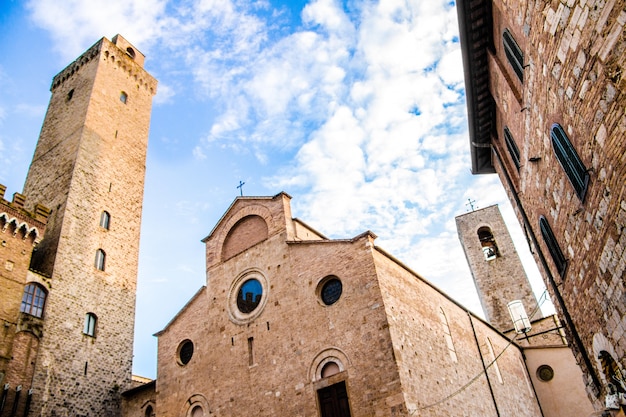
{"x":555,"y":289}
{"x":493,"y":397}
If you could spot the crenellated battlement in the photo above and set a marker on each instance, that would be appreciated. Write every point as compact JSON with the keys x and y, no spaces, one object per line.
{"x":16,"y":220}
{"x":118,"y":52}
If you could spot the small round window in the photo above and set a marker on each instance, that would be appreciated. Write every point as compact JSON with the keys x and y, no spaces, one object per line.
{"x":185,"y":352}
{"x":331,"y":289}
{"x":249,"y":296}
{"x":545,"y":373}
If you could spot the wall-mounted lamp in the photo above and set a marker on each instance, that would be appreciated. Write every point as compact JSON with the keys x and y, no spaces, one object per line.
{"x":521,"y":322}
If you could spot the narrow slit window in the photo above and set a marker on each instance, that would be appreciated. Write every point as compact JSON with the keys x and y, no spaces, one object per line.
{"x":123,"y":97}
{"x":512,"y":148}
{"x":100,"y":259}
{"x":90,"y":324}
{"x":553,"y":246}
{"x":250,"y":351}
{"x":514,"y":54}
{"x":573,"y":166}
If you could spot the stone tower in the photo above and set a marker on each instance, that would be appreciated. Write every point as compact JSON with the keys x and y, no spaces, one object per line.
{"x":495,"y":265}
{"x":89,"y":168}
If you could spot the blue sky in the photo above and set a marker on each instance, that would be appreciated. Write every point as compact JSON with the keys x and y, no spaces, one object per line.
{"x":356,"y":109}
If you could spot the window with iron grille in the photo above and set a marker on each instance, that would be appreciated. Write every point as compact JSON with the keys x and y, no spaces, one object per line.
{"x":573,"y":166}
{"x":514,"y":54}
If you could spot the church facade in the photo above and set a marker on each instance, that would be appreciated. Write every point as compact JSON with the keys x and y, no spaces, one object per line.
{"x":292,"y":323}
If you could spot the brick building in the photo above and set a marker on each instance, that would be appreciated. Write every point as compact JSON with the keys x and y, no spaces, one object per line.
{"x":21,"y":316}
{"x":77,"y":290}
{"x":291,"y":323}
{"x":546,"y":99}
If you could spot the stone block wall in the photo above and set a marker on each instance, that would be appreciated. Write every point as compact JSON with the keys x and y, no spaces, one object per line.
{"x":90,"y":158}
{"x":575,"y":58}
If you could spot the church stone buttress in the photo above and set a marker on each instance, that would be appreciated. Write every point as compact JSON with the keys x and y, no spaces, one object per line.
{"x":89,"y":168}
{"x":495,"y":265}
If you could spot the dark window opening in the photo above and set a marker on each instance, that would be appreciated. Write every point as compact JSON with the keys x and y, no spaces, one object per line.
{"x":131,"y":52}
{"x":553,"y":246}
{"x":185,"y":352}
{"x":331,"y":291}
{"x":612,"y":372}
{"x":488,"y":243}
{"x":514,"y":54}
{"x":123,"y":97}
{"x":250,"y":351}
{"x":512,"y":147}
{"x":573,"y":166}
{"x":70,"y":94}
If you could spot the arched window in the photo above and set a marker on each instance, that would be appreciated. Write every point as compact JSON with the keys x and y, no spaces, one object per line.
{"x":100,"y":258}
{"x":90,"y":324}
{"x":570,"y":161}
{"x":612,"y":372}
{"x":123,"y":97}
{"x":514,"y":54}
{"x":105,"y":220}
{"x":512,"y":147}
{"x":488,"y":243}
{"x":33,"y":300}
{"x":149,"y":411}
{"x":553,"y":245}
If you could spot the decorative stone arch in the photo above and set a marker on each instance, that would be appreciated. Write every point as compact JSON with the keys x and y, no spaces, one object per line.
{"x":254,"y":210}
{"x":148,"y":409}
{"x":323,"y":358}
{"x":195,"y":401}
{"x":600,"y":344}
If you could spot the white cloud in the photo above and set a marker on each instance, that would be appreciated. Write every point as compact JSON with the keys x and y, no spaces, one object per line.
{"x":74,"y":24}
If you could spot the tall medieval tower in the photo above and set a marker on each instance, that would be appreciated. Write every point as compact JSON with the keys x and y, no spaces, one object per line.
{"x":495,"y":265}
{"x":89,"y":168}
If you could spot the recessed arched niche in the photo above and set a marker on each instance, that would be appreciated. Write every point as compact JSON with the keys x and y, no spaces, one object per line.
{"x":246,"y":233}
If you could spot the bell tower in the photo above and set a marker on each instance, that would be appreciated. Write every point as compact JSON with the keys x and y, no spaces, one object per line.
{"x":89,"y":168}
{"x":495,"y":265}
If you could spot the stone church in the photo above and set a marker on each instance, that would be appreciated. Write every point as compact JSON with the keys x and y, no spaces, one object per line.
{"x":290,"y":323}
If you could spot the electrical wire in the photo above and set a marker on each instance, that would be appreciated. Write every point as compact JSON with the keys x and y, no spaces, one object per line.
{"x":542,"y":299}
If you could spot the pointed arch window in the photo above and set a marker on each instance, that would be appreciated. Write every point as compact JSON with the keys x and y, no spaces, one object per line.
{"x":33,"y":300}
{"x":105,"y":220}
{"x":553,"y":246}
{"x":573,"y":166}
{"x":90,"y":324}
{"x":514,"y":54}
{"x":512,"y":147}
{"x":100,"y":259}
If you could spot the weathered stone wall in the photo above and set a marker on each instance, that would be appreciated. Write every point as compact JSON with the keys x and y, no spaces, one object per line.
{"x":385,"y":332}
{"x":90,"y":158}
{"x":438,"y":347}
{"x":574,"y":52}
{"x":501,"y":280}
